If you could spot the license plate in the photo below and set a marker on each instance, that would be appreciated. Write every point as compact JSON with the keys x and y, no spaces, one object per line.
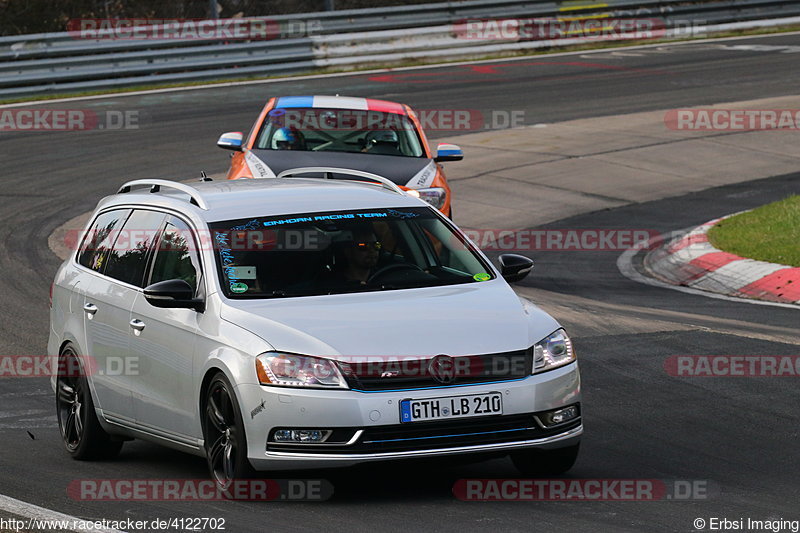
{"x":451,"y":407}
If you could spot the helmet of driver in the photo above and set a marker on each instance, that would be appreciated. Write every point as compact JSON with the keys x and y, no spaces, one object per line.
{"x":287,"y":139}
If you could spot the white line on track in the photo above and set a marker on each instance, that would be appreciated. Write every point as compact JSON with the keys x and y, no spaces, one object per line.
{"x":384,"y":70}
{"x":34,"y":512}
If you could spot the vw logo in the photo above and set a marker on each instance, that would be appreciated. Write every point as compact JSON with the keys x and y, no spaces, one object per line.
{"x":442,"y":368}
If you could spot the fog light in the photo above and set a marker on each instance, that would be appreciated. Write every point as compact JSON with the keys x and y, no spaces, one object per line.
{"x":306,"y":436}
{"x":559,"y":416}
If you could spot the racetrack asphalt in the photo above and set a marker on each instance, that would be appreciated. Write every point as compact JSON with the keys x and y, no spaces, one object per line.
{"x":739,"y":435}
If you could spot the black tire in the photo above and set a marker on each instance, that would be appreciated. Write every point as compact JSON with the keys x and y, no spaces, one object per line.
{"x":545,"y":462}
{"x":223,"y":434}
{"x":83,"y":436}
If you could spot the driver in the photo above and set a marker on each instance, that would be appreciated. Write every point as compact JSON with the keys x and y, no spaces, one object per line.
{"x":361,"y":255}
{"x":288,"y":139}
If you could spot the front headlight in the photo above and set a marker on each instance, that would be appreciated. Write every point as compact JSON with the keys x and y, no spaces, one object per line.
{"x":290,"y":370}
{"x":433,"y":195}
{"x":552,"y":352}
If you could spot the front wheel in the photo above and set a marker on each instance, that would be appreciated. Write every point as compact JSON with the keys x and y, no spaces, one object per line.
{"x":223,"y":432}
{"x":81,"y":432}
{"x":545,"y":462}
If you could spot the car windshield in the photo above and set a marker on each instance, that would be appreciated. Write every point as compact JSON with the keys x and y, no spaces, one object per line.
{"x":342,"y":252}
{"x":339,"y":130}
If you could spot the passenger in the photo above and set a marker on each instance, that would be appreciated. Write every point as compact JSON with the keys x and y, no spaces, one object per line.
{"x":382,"y":143}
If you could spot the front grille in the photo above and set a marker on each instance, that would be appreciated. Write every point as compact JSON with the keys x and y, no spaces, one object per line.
{"x":437,"y":435}
{"x":406,"y":373}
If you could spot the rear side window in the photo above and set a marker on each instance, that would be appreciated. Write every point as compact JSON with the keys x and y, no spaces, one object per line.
{"x":176,"y":255}
{"x":100,"y":237}
{"x":127,"y":259}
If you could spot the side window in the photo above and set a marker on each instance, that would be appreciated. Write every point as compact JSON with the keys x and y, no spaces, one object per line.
{"x":128,"y":257}
{"x":98,"y":240}
{"x":176,"y":255}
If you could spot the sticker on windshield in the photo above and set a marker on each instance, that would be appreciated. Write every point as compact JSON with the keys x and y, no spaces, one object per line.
{"x":482,"y":276}
{"x":222,"y":239}
{"x":239,"y":288}
{"x":403,"y":215}
{"x":328,"y":218}
{"x":243,"y":272}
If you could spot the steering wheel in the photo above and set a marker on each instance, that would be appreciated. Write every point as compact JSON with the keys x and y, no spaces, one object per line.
{"x":392,"y":267}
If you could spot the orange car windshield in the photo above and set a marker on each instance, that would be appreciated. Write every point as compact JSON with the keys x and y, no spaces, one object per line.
{"x":339,"y":130}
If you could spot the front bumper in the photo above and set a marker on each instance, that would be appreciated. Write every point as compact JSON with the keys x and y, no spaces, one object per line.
{"x":281,"y":460}
{"x":371,"y":414}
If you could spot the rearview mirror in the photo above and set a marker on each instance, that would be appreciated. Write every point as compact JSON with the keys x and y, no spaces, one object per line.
{"x":231,"y":140}
{"x":448,"y":152}
{"x":515,"y":267}
{"x":171,"y":294}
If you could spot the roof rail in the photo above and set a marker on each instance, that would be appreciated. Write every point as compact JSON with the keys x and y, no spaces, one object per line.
{"x":329,"y":171}
{"x":155,"y":186}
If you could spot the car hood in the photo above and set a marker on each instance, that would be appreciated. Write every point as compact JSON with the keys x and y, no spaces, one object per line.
{"x":401,"y":170}
{"x":455,"y":320}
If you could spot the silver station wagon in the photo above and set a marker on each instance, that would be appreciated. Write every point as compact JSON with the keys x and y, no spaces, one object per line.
{"x":303,"y":322}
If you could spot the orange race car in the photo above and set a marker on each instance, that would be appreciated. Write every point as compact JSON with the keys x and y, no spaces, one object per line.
{"x":376,"y":136}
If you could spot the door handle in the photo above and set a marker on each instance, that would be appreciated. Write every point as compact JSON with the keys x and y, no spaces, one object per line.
{"x":90,"y":308}
{"x":137,"y":324}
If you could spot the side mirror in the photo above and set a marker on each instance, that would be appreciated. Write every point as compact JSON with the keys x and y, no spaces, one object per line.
{"x":172,"y":294}
{"x":515,"y":267}
{"x":448,"y":152}
{"x":231,"y":141}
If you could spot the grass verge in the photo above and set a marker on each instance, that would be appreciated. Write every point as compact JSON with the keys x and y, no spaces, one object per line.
{"x":769,"y":233}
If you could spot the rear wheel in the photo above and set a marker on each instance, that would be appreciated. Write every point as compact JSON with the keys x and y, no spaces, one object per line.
{"x":545,"y":462}
{"x":81,"y":432}
{"x":223,"y":432}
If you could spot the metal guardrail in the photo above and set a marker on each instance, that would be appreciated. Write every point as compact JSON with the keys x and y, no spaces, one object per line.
{"x":61,"y":63}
